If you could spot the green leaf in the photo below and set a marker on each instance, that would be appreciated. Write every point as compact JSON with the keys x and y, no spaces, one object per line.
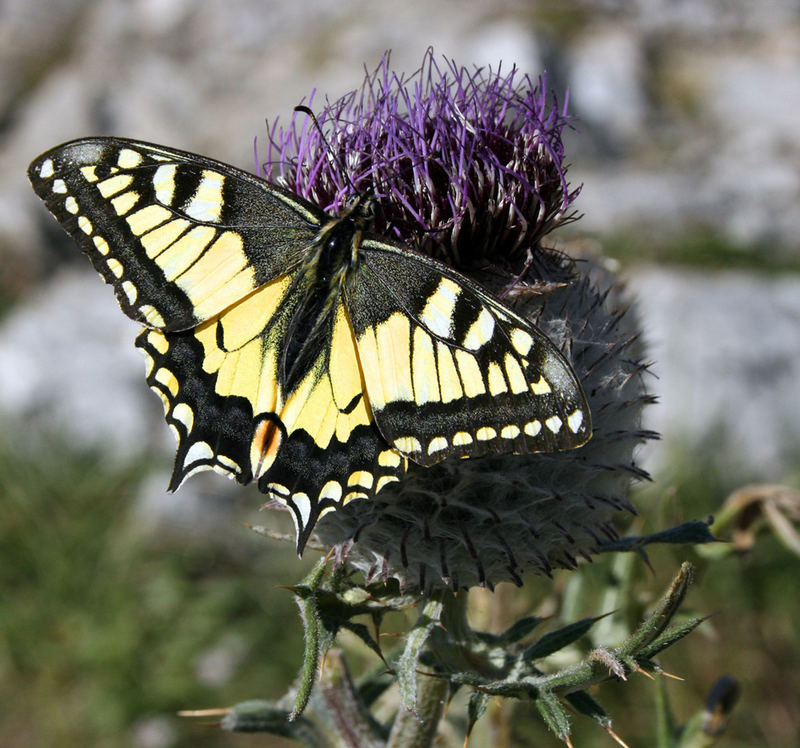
{"x":513,"y":634}
{"x":556,"y":640}
{"x":553,"y":714}
{"x":670,"y":636}
{"x":315,"y":641}
{"x":264,"y":716}
{"x":689,"y":533}
{"x":478,"y":701}
{"x":658,"y":620}
{"x":586,"y":705}
{"x":429,"y":617}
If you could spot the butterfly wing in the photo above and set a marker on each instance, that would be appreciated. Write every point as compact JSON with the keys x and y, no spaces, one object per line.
{"x":314,"y":447}
{"x":449,"y":370}
{"x":180,"y":237}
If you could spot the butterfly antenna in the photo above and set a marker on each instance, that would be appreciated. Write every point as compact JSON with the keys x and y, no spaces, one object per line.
{"x":305,"y":110}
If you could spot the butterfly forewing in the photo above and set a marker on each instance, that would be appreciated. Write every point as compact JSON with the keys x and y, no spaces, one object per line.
{"x":179,"y":237}
{"x":452,"y":372}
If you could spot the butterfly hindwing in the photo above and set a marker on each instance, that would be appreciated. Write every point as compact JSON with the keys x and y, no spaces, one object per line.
{"x":452,"y":372}
{"x":180,"y":237}
{"x":314,"y":446}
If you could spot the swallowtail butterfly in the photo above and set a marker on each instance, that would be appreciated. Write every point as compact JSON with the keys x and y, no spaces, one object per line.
{"x":293,"y":347}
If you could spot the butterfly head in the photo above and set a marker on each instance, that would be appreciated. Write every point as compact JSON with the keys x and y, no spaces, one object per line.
{"x":363,"y":209}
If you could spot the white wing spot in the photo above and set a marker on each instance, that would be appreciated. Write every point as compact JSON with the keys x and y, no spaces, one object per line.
{"x":462,"y":439}
{"x":71,"y":204}
{"x":279,"y":490}
{"x":554,"y":424}
{"x":158,"y":341}
{"x":302,"y":503}
{"x":437,"y":315}
{"x":197,"y":452}
{"x":206,"y":203}
{"x":113,"y":185}
{"x":510,"y":432}
{"x":151,"y":315}
{"x":485,"y":434}
{"x":331,"y":490}
{"x":165,"y":377}
{"x":85,"y":225}
{"x":222,"y":470}
{"x":497,"y":382}
{"x":128,"y":158}
{"x":46,"y":169}
{"x":115,"y":266}
{"x":183,"y":413}
{"x":149,"y":363}
{"x":389,"y":458}
{"x":437,"y":444}
{"x":532,"y":428}
{"x":59,"y":186}
{"x":360,"y":478}
{"x":125,"y":202}
{"x":516,"y":377}
{"x":480,"y":331}
{"x":383,"y":480}
{"x":130,"y":291}
{"x":407,"y":444}
{"x":164,"y":183}
{"x":540,"y":387}
{"x":522,"y":341}
{"x":101,"y":244}
{"x":227,"y":462}
{"x":575,"y":420}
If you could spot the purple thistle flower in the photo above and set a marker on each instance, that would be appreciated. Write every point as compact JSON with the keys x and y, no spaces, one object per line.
{"x":469,"y":167}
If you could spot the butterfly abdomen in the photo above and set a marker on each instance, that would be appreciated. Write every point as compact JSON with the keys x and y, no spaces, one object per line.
{"x":320,"y":282}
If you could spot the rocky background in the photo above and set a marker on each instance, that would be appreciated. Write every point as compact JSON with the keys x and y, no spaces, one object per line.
{"x":686,"y":140}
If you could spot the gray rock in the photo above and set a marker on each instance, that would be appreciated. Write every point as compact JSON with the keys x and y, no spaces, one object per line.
{"x":68,"y":366}
{"x":725,"y":347}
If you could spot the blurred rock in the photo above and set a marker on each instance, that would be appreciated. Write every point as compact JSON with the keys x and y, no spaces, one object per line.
{"x":68,"y":366}
{"x":688,"y":116}
{"x":725,"y":347}
{"x":696,"y":100}
{"x":606,"y":79}
{"x":154,"y":732}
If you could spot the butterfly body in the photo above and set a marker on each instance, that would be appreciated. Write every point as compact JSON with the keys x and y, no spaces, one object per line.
{"x":296,"y":348}
{"x":331,"y":263}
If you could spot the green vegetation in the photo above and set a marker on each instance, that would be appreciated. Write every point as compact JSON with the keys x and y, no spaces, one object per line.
{"x":699,"y":247}
{"x":103,"y":628}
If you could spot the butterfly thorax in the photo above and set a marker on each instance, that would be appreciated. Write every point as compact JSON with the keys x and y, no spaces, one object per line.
{"x":323,"y":279}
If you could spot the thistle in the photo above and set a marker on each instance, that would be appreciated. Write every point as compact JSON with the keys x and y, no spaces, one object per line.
{"x":468,"y":167}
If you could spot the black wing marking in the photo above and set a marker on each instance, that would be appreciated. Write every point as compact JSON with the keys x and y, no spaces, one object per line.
{"x":179,"y":236}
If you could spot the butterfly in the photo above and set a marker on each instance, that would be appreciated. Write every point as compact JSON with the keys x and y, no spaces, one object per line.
{"x":295,"y":348}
